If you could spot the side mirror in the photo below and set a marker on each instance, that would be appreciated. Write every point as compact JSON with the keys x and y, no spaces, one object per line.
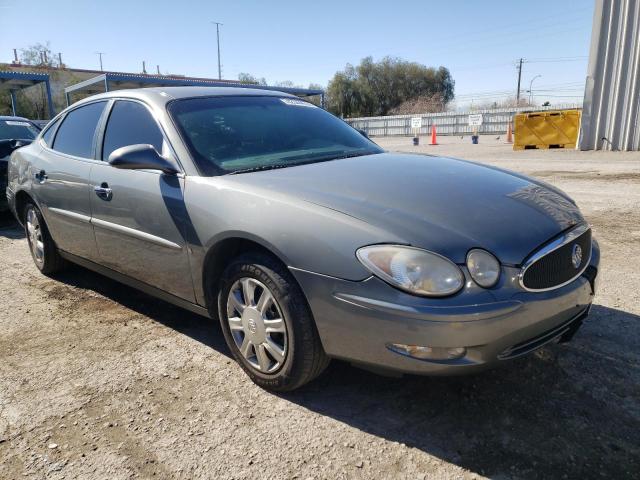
{"x":363,"y":133}
{"x":141,"y":157}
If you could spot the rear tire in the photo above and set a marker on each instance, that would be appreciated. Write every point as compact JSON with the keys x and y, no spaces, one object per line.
{"x":43,"y":249}
{"x":280,"y":349}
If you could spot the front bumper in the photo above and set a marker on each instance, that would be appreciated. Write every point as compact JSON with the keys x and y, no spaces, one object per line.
{"x":358,"y":320}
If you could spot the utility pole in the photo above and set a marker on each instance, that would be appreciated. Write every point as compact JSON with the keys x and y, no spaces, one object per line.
{"x":217,"y":24}
{"x":158,"y":69}
{"x":144,"y":67}
{"x":519,"y":78}
{"x":100,"y":55}
{"x":60,"y":64}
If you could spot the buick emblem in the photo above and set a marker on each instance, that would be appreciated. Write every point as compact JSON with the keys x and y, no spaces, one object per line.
{"x":253,"y":327}
{"x":576,"y":256}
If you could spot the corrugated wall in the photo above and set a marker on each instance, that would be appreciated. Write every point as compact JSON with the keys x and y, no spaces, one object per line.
{"x":611,"y":109}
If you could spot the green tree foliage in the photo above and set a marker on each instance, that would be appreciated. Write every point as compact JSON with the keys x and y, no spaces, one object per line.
{"x":248,"y":78}
{"x":374,"y":88}
{"x":38,"y":55}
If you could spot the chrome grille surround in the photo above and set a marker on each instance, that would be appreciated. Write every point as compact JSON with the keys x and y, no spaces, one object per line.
{"x":567,"y":237}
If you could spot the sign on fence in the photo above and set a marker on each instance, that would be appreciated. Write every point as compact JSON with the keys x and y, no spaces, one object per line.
{"x":416,"y":123}
{"x":475,"y":120}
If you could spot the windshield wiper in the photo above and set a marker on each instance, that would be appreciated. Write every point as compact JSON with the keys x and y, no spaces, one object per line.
{"x":263,"y":167}
{"x":325,"y":158}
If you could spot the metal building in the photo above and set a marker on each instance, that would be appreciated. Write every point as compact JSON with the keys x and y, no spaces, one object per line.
{"x":611,"y":109}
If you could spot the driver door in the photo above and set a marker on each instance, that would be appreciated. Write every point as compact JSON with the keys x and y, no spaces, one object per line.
{"x":138,"y":215}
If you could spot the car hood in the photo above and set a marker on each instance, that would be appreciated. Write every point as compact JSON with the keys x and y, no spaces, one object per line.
{"x":441,"y":204}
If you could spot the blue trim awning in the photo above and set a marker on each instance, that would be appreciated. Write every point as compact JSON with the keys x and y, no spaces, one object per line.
{"x":14,"y":81}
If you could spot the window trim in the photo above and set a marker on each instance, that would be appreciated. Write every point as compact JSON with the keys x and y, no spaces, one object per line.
{"x":54,"y":124}
{"x":63,"y":117}
{"x":104,"y":121}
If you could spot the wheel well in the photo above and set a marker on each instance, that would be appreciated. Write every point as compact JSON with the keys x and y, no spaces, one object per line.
{"x":219,"y":257}
{"x":21,"y":200}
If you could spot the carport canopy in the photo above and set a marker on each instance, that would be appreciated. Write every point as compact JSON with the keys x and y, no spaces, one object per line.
{"x":116,"y":81}
{"x":15,"y":81}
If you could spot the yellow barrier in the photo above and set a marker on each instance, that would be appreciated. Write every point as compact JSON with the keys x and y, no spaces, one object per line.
{"x":550,"y":129}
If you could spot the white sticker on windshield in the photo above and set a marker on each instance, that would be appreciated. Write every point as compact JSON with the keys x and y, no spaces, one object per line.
{"x":296,"y":103}
{"x":18,"y":124}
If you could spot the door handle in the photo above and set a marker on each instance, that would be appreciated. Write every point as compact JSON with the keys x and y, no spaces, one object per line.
{"x":40,"y":176}
{"x":103,"y":191}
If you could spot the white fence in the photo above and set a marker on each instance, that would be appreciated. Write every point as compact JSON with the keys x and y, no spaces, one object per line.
{"x":447,"y":123}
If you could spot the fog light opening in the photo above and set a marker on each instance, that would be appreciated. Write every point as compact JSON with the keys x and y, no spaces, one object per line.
{"x":428,"y":353}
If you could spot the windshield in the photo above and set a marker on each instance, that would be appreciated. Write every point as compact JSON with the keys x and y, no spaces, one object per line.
{"x":245,"y":133}
{"x":17,"y":129}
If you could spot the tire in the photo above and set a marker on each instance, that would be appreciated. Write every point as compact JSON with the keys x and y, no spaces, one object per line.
{"x":296,"y":336}
{"x":43,"y":249}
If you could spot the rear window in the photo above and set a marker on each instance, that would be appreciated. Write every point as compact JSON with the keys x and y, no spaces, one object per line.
{"x":75,"y":135}
{"x":17,"y":129}
{"x":47,"y":136}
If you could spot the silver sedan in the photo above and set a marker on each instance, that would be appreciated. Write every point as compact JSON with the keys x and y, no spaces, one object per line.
{"x":304,"y":238}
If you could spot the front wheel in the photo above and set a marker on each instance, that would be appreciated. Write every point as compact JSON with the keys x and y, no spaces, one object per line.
{"x":267,"y":324}
{"x":43,"y":248}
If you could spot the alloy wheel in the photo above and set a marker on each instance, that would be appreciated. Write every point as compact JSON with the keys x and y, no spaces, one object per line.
{"x":34,"y":231}
{"x":257,"y":325}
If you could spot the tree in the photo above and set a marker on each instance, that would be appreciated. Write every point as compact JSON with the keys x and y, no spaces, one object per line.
{"x":248,"y":78}
{"x":38,"y":54}
{"x":375,"y":88}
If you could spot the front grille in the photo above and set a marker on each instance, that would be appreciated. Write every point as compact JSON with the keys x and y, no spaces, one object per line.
{"x":563,"y":332}
{"x":557,"y":267}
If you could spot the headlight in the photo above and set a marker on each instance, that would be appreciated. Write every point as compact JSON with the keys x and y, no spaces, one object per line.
{"x":483,"y":267}
{"x":413,"y":270}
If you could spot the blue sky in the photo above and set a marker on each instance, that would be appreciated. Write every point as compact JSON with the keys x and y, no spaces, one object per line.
{"x":308,"y":42}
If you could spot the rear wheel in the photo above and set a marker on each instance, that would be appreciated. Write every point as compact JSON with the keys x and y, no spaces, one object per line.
{"x":268,"y":325}
{"x":43,"y":249}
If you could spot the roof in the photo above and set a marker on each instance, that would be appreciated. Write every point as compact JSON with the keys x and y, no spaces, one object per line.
{"x":163,"y":95}
{"x":9,"y":117}
{"x":12,"y":80}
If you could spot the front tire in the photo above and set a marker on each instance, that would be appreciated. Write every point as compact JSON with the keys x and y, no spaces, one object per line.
{"x":267,"y":324}
{"x":43,"y":249}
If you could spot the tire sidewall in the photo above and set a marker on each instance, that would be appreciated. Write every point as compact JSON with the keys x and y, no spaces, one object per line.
{"x":31,"y":206}
{"x":282,"y":289}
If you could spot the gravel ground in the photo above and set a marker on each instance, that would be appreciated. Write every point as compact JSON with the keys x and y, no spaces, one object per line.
{"x":100,"y":381}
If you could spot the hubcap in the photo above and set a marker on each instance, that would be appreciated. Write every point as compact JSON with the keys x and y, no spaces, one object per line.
{"x":34,"y":232}
{"x":257,"y":325}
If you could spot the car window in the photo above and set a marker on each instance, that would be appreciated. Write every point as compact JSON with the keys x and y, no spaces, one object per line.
{"x":237,"y":134}
{"x":130,"y":123}
{"x":75,"y":135}
{"x":17,"y":129}
{"x":47,"y":136}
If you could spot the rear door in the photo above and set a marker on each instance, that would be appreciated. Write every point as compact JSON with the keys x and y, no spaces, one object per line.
{"x":138,"y":224}
{"x":61,"y":179}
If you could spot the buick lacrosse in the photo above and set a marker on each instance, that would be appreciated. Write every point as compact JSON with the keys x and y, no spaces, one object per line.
{"x":301,"y":236}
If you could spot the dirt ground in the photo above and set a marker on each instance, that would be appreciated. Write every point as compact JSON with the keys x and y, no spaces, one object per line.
{"x":100,"y":381}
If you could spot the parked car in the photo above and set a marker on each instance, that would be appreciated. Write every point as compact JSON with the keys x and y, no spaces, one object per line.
{"x":15,"y":132}
{"x":304,"y":238}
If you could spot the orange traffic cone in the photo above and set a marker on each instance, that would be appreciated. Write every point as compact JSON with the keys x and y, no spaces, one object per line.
{"x":509,"y":133}
{"x":433,"y":135}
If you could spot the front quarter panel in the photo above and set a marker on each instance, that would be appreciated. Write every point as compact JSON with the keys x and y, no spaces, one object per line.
{"x":303,"y":235}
